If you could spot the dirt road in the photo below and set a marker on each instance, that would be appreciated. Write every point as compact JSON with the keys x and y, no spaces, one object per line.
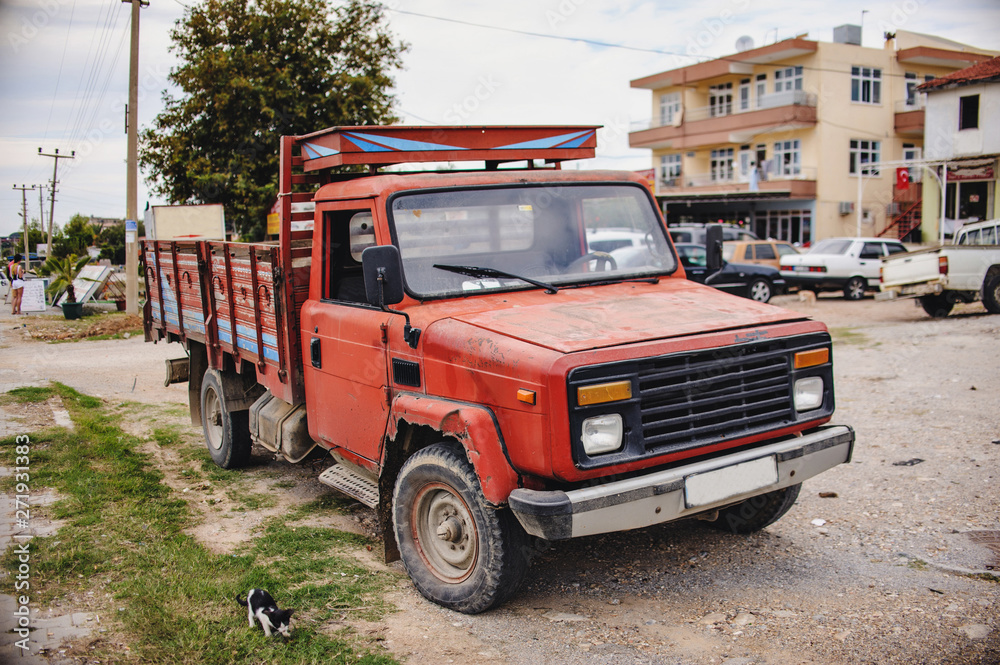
{"x":877,"y":562}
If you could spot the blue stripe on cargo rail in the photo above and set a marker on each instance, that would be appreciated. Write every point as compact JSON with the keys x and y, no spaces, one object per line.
{"x":247,"y":331}
{"x":248,"y":345}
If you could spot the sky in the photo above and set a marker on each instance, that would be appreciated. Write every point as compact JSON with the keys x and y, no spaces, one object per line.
{"x":64,"y":72}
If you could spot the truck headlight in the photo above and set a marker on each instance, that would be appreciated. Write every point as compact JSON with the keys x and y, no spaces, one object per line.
{"x":809,"y":393}
{"x":602,"y":434}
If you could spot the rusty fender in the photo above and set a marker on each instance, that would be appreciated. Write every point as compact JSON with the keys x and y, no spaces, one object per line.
{"x":474,"y":426}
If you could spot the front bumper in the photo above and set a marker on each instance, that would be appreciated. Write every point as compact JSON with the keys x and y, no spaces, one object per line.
{"x":665,"y":496}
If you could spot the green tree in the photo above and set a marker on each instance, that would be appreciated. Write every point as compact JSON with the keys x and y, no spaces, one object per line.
{"x":253,"y":71}
{"x":111,"y":240}
{"x":74,"y":238}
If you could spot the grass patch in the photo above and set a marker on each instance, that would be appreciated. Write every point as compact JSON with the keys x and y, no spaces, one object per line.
{"x":29,"y":395}
{"x":124,"y":535}
{"x":167,"y":436}
{"x":848,"y":336}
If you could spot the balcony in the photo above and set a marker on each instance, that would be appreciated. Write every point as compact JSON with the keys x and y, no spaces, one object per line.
{"x":909,"y":116}
{"x":711,"y":125}
{"x":800,"y":185}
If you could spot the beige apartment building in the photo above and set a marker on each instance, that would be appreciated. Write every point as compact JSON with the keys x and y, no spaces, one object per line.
{"x":776,"y":138}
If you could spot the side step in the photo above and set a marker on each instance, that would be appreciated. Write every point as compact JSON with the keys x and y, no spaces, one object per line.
{"x":351,"y":483}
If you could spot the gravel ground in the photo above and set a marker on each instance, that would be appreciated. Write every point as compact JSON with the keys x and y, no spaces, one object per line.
{"x":876,"y":562}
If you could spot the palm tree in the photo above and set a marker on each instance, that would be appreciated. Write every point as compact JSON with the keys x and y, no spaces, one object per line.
{"x":62,"y":272}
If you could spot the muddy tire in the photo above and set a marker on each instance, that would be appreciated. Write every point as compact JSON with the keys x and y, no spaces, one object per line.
{"x":855,"y":288}
{"x":227,"y":433}
{"x":460,"y":552}
{"x":938,"y":306}
{"x":991,"y":294}
{"x":757,"y":512}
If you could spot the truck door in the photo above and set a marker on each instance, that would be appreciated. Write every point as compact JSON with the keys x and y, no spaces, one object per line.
{"x":343,"y":346}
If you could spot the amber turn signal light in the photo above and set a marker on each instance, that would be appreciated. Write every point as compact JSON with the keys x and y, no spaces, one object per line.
{"x":604,"y":392}
{"x":526,"y":396}
{"x":812,"y":358}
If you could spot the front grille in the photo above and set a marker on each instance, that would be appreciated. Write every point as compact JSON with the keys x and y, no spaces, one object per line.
{"x":719,"y":394}
{"x":684,"y":401}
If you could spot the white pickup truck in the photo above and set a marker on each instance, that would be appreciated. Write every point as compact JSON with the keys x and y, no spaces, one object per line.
{"x":941,"y":276}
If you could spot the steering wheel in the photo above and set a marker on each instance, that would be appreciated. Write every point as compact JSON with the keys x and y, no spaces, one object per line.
{"x":604,"y":262}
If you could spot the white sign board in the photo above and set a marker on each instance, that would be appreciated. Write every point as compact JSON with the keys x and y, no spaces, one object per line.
{"x":88,"y":283}
{"x":197,"y":221}
{"x":33,"y":299}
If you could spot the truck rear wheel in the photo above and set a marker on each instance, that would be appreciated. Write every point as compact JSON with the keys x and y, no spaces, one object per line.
{"x":991,"y":295}
{"x":460,"y":552}
{"x":938,"y":306}
{"x":227,"y":433}
{"x":756,"y":512}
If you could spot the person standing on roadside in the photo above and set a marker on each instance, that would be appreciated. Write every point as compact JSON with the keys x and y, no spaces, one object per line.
{"x":15,"y":270}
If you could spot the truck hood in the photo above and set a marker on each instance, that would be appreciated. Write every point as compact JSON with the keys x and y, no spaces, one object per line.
{"x":602,"y":316}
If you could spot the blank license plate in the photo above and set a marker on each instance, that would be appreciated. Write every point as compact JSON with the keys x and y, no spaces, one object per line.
{"x":710,"y":487}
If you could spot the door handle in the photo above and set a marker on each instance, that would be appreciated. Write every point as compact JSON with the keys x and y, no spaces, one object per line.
{"x":315,"y":353}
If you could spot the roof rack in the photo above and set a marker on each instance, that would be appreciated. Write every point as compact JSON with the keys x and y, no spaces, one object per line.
{"x":376,"y":146}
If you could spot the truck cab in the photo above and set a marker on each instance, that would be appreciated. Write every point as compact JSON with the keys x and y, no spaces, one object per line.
{"x":480,"y":375}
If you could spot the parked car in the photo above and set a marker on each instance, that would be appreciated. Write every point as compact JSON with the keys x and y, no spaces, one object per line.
{"x":608,"y":240}
{"x":750,"y":281}
{"x":760,"y":252}
{"x":850,"y":265}
{"x":940,"y":277}
{"x":696,"y":234}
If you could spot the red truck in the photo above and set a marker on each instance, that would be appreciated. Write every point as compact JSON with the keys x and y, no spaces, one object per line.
{"x":476,"y":372}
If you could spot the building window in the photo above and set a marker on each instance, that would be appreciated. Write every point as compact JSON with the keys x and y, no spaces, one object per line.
{"x":670,"y":107}
{"x":866,"y":85}
{"x":864,"y":152}
{"x":670,"y":169}
{"x":720,"y":100}
{"x":787,"y":158}
{"x":968,"y":112}
{"x":911,"y":88}
{"x":761,"y":89}
{"x":789,"y":78}
{"x":722,"y":165}
{"x":744,"y":95}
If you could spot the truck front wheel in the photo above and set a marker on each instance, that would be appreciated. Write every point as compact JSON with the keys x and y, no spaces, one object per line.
{"x":227,"y":433}
{"x":991,"y":295}
{"x":460,"y":552}
{"x":938,"y":306}
{"x":756,"y":512}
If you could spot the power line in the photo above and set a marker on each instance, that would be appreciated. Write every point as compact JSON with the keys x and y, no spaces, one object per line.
{"x":726,"y":58}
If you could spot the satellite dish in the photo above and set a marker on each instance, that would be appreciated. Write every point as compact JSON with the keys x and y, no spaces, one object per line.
{"x":744,"y":43}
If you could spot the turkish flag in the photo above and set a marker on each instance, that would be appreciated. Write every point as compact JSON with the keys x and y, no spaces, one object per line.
{"x":902,"y":178}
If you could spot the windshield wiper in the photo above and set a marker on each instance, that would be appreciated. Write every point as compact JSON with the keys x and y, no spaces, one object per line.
{"x":627,"y":280}
{"x":478,"y":272}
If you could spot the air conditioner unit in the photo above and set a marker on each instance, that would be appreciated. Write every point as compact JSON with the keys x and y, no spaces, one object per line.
{"x":893,"y":209}
{"x":846,"y":207}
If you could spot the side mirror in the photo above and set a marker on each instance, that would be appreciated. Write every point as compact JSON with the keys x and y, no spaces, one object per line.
{"x":713,"y":245}
{"x":383,"y":270}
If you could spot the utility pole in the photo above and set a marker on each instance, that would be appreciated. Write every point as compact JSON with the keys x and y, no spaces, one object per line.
{"x":132,"y":167}
{"x":55,"y":169}
{"x":41,"y":220}
{"x":24,"y":205}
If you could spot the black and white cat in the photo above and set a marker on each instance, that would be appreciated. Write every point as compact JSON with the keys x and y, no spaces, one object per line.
{"x":262,"y":607}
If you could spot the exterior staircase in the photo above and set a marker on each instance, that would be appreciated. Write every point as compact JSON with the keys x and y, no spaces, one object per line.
{"x":906,"y":224}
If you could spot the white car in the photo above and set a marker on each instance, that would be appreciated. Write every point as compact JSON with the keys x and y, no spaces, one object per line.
{"x":608,"y":240}
{"x":850,"y":265}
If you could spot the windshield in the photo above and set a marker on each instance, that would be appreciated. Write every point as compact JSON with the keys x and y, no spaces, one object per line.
{"x":543,"y":233}
{"x":832,"y":246}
